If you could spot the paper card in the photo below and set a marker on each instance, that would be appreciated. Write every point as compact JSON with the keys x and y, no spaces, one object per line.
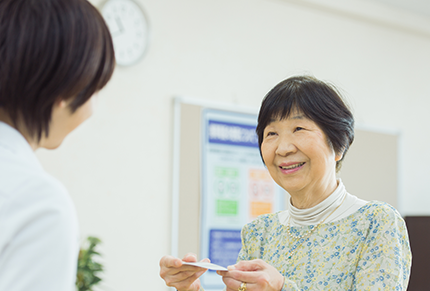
{"x":205,"y":265}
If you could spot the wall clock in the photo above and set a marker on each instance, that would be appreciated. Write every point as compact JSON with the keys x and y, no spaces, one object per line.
{"x":129,"y":28}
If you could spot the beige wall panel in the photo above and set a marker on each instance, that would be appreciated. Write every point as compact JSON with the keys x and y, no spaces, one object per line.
{"x":189,"y":177}
{"x":370,"y":168}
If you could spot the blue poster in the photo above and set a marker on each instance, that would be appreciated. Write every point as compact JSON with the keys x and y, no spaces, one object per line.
{"x":224,"y":246}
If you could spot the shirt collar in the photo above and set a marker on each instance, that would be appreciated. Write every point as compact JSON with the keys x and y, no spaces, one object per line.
{"x":314,"y":215}
{"x":14,"y":143}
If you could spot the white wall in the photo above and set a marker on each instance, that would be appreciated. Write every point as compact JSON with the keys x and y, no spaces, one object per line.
{"x":117,"y":166}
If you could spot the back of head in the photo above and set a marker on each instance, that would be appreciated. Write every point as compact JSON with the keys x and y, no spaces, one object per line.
{"x":318,"y":101}
{"x":50,"y":50}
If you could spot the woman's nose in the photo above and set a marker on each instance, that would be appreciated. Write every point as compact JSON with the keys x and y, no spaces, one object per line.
{"x":285,"y":147}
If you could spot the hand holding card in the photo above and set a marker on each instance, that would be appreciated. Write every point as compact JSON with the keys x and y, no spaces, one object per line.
{"x":181,"y":274}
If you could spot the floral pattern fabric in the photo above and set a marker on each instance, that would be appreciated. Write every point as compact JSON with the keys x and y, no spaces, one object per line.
{"x":368,"y":250}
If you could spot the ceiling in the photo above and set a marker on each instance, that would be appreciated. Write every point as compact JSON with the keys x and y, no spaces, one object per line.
{"x":421,"y":7}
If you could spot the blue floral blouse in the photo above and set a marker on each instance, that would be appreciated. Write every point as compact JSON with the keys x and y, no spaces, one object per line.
{"x":368,"y":250}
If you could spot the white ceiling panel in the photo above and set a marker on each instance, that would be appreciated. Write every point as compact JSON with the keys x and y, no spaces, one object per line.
{"x":421,"y":7}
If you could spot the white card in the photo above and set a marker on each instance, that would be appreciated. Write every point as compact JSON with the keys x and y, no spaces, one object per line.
{"x":204,"y":265}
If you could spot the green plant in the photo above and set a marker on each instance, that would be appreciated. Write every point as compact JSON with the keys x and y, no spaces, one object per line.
{"x":88,"y":269}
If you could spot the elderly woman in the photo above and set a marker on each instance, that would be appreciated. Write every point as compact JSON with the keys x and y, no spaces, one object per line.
{"x":327,"y":239}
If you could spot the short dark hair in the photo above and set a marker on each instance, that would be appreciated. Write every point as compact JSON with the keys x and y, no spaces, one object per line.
{"x":319,"y":101}
{"x":51,"y":50}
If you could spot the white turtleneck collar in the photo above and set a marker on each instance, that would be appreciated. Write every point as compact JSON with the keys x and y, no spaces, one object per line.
{"x":345,"y":203}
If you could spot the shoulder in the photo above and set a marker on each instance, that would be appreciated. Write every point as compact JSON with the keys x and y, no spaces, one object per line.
{"x":27,"y":190}
{"x":379,"y":210}
{"x":382,"y":217}
{"x":33,"y":203}
{"x":264,"y":220}
{"x":28,"y":181}
{"x":42,"y":190}
{"x":36,"y":199}
{"x":22,"y":176}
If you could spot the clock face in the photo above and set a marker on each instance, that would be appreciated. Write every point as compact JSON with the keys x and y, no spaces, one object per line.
{"x":129,"y":29}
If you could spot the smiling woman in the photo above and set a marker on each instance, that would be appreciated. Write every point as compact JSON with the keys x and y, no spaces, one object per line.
{"x":299,"y":158}
{"x":312,"y":99}
{"x":304,"y":131}
{"x":326,"y":239}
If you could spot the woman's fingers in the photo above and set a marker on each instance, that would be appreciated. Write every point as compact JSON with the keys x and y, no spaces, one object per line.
{"x":182,"y":271}
{"x":245,"y":271}
{"x":233,"y":278}
{"x":233,"y":284}
{"x":255,"y":281}
{"x":170,"y":262}
{"x":183,"y":275}
{"x":253,"y":265}
{"x":257,"y":274}
{"x":184,"y":280}
{"x":190,"y":257}
{"x":180,"y":276}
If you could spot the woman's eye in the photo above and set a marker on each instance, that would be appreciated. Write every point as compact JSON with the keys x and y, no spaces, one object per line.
{"x":270,"y":133}
{"x":298,"y":128}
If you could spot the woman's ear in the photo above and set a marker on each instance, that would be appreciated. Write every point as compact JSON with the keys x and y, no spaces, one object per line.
{"x":61,"y":103}
{"x":338,"y":156}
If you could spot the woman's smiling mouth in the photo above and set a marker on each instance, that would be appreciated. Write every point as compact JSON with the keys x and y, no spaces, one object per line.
{"x":290,"y":168}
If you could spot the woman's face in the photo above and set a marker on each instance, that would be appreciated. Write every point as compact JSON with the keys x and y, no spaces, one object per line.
{"x":63,"y":121}
{"x":298,"y":156}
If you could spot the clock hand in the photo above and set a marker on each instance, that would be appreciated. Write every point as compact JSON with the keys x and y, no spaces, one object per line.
{"x":119,"y":23}
{"x":115,"y":33}
{"x":119,"y":28}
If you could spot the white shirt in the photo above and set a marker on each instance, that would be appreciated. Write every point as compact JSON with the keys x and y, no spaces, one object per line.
{"x":324,"y":211}
{"x":38,"y":222}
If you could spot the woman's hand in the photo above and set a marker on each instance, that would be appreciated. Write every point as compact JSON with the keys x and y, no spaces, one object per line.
{"x":182,"y":277}
{"x":257,"y":274}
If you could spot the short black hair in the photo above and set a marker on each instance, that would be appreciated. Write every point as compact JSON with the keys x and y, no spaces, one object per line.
{"x":51,"y":50}
{"x":319,"y":101}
